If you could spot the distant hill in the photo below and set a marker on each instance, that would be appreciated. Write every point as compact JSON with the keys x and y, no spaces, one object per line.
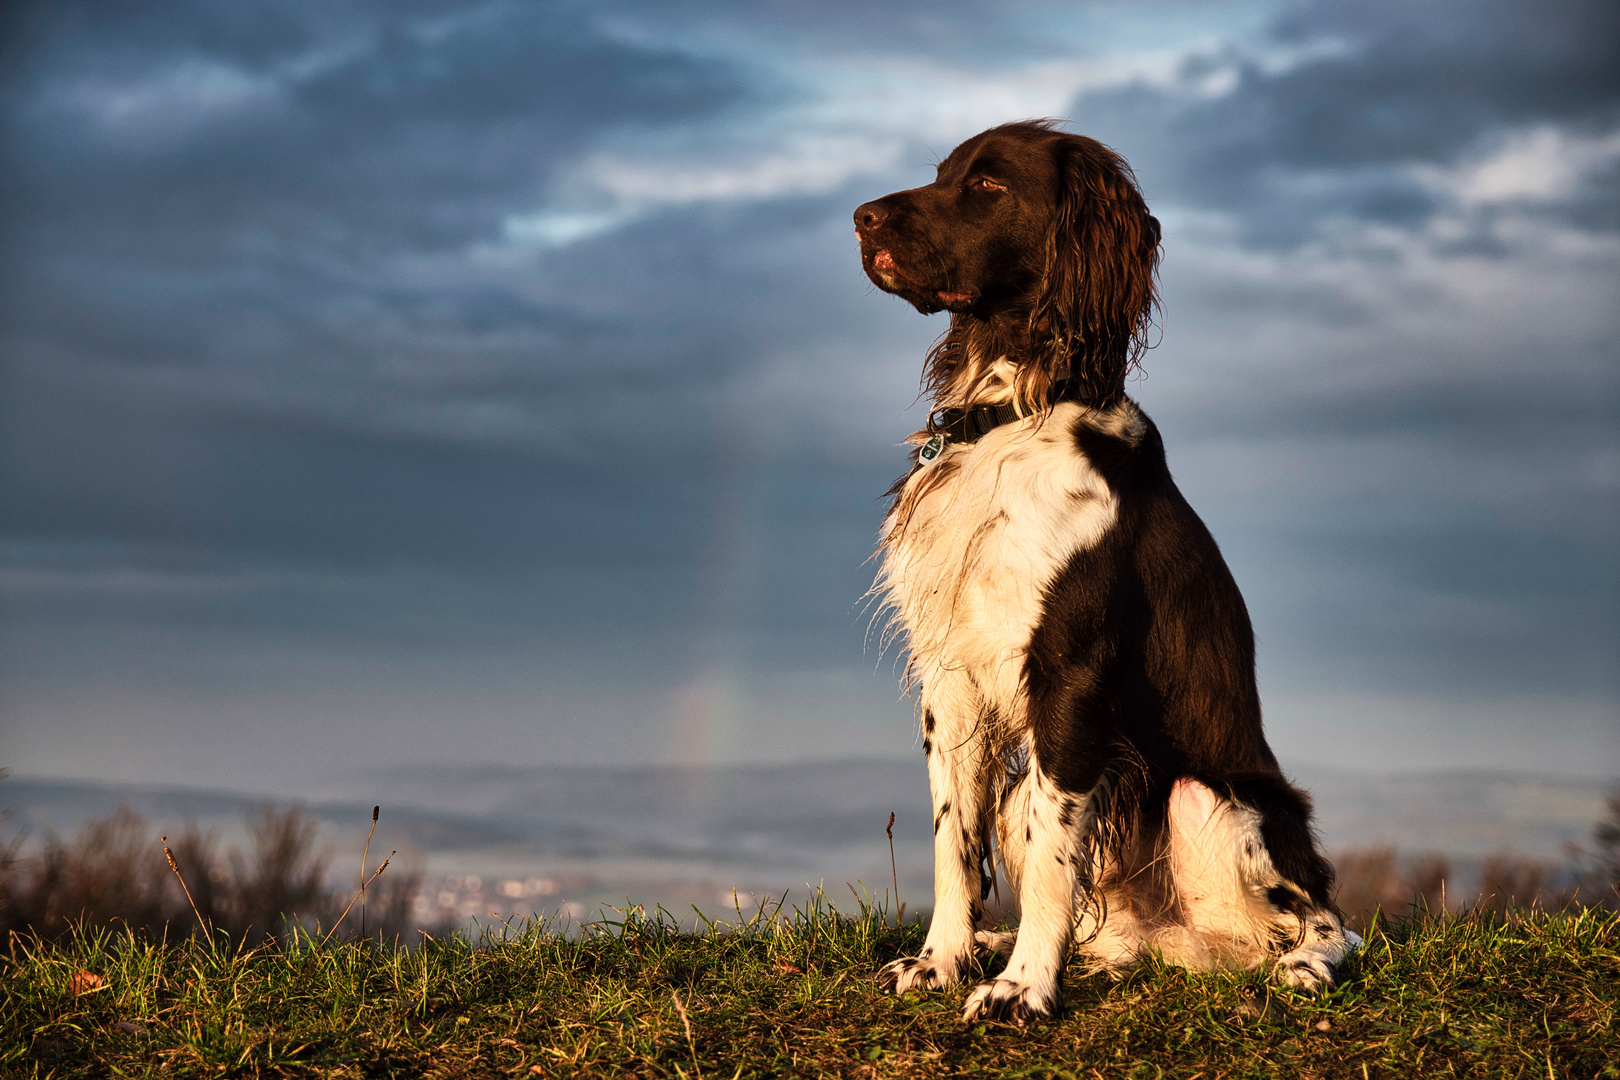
{"x":764,"y":810}
{"x":697,"y":832}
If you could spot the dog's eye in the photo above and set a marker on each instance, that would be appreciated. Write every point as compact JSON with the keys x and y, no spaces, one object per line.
{"x":984,"y":183}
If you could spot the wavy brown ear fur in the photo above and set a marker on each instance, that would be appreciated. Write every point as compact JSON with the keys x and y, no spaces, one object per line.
{"x":1098,"y":296}
{"x":1088,"y":316}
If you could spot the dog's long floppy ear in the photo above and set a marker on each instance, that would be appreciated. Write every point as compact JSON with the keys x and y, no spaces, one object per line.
{"x":1099,"y":290}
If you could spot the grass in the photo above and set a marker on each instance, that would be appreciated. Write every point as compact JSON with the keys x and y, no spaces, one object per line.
{"x":1529,"y":995}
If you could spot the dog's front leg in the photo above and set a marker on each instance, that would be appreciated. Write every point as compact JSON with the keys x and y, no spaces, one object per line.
{"x":959,"y":778}
{"x":1054,"y":827}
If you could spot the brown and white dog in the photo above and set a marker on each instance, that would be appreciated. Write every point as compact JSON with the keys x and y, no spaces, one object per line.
{"x":1082,"y":656}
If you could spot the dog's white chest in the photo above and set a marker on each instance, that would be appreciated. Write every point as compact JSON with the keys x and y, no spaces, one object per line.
{"x":968,"y":555}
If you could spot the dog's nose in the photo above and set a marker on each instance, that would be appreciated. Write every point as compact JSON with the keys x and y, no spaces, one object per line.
{"x":869,"y":216}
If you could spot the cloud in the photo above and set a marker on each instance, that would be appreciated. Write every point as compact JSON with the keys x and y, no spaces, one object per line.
{"x":533,"y":339}
{"x":837,"y":120}
{"x":382,"y":121}
{"x":1379,"y":112}
{"x":1422,"y":83}
{"x":1541,"y":163}
{"x":1388,"y":371}
{"x":193,"y":93}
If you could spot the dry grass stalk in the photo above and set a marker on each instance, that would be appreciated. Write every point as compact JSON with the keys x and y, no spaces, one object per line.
{"x":355,"y":897}
{"x":687,"y":1024}
{"x":164,"y":840}
{"x":364,"y":856}
{"x":900,"y":909}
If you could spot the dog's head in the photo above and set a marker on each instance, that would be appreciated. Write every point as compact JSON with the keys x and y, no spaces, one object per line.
{"x":1039,"y":236}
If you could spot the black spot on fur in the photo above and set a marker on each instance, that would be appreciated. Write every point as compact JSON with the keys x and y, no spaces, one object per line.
{"x":928,"y":747}
{"x":1110,"y":455}
{"x":1144,"y":643}
{"x":1066,"y":813}
{"x":944,"y":808}
{"x":928,"y":722}
{"x":1284,"y":899}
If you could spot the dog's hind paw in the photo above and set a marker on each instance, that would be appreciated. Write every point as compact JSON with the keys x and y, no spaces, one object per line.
{"x":1009,"y":999}
{"x":1307,"y":970}
{"x":1000,"y":942}
{"x":1314,"y":968}
{"x":916,"y":973}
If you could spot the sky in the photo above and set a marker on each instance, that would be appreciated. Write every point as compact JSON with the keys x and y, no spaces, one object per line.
{"x":398,"y":382}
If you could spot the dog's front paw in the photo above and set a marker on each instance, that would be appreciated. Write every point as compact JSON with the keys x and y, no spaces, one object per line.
{"x":925,"y":972}
{"x":1010,"y":999}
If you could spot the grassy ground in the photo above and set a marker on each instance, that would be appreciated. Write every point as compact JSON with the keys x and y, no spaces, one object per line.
{"x":1529,"y":996}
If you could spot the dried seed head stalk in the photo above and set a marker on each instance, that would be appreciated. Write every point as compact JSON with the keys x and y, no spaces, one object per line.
{"x":167,"y":854}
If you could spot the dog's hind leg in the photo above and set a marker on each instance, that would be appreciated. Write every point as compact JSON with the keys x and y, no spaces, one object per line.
{"x":1012,"y":809}
{"x":1302,"y":902}
{"x":959,"y":775}
{"x":1322,"y":942}
{"x":1250,"y":882}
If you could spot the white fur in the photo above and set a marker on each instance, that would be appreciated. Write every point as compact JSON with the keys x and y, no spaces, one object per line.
{"x":1221,"y":870}
{"x":966,"y":569}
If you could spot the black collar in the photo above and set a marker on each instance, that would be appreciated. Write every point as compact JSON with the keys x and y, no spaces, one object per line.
{"x":973,"y":423}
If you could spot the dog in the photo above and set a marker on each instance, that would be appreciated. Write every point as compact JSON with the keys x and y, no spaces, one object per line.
{"x":1081,"y":655}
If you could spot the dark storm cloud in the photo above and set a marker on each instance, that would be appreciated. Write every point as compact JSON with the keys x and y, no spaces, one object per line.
{"x":262,"y":164}
{"x":257,"y":186}
{"x":1375,"y":88}
{"x":254,"y":187}
{"x":353,"y":328}
{"x":365,"y":108}
{"x":897,"y":27}
{"x":1439,"y":512}
{"x":1418,"y":82}
{"x":242,"y":332}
